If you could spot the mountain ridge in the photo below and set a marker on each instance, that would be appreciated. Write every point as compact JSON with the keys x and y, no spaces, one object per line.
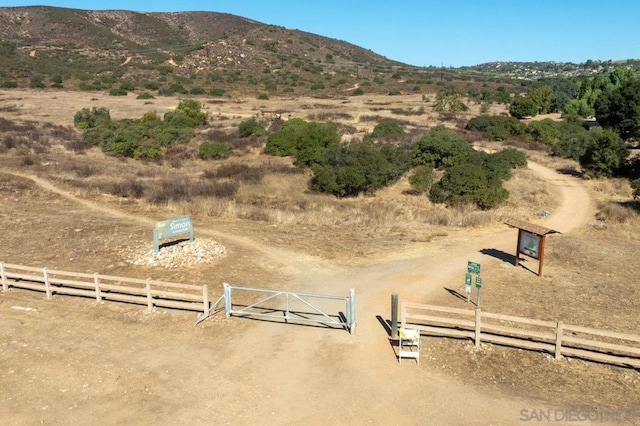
{"x":216,"y":52}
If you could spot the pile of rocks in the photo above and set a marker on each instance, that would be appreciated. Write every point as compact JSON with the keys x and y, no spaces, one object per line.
{"x":177,"y":255}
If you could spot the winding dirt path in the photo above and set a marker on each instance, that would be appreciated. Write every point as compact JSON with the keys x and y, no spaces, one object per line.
{"x":272,"y":373}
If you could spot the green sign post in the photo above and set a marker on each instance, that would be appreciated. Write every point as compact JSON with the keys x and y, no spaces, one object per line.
{"x":473,"y":268}
{"x":171,"y":228}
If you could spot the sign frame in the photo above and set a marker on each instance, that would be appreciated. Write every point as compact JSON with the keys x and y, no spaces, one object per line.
{"x":529,"y":244}
{"x":170,"y":228}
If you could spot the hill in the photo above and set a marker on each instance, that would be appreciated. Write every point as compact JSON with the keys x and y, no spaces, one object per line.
{"x":197,"y":51}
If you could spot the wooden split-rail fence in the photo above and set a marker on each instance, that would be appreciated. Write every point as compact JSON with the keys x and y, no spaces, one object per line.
{"x":147,"y":292}
{"x":554,"y":337}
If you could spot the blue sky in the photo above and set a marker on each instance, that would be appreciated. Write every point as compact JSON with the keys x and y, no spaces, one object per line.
{"x":436,"y":32}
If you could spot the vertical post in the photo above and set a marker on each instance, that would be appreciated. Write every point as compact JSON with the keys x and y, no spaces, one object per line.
{"x":156,"y":241}
{"x":227,"y":300}
{"x":286,"y":307}
{"x":478,"y":328}
{"x":518,"y":248}
{"x":5,"y":287}
{"x":394,"y":316}
{"x":478,"y":296}
{"x":205,"y":299}
{"x":47,"y":285}
{"x":352,"y":310}
{"x":559,"y":340}
{"x":96,"y":282}
{"x":541,"y":254}
{"x":149,"y":296}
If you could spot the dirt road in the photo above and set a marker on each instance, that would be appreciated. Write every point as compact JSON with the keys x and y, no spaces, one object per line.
{"x":151,"y":369}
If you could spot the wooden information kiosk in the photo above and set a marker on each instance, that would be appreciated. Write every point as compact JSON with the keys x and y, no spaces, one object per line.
{"x":531,"y":240}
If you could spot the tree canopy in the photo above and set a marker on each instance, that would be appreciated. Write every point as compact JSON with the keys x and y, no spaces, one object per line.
{"x":619,"y":108}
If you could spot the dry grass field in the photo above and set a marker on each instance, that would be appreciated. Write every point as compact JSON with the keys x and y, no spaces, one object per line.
{"x":71,"y":360}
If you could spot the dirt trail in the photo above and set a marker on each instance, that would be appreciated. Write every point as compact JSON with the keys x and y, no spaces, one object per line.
{"x":274,"y":373}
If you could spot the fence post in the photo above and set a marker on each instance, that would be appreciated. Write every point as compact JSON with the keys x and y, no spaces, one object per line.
{"x":286,"y":307}
{"x":394,"y":315}
{"x":47,"y":285}
{"x":205,"y":299}
{"x":96,"y":281}
{"x":478,"y":328}
{"x":227,"y":300}
{"x":5,"y":287}
{"x":149,"y":296}
{"x":559,"y":340}
{"x":352,"y":310}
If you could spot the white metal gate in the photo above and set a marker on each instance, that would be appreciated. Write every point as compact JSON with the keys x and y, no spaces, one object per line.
{"x":290,"y":307}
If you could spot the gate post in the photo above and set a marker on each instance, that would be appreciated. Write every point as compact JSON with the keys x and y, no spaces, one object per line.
{"x":478,"y":328}
{"x":5,"y":287}
{"x":227,"y":300}
{"x":394,"y":315}
{"x":558,"y":353}
{"x":352,"y":311}
{"x":47,"y":284}
{"x":205,"y":300}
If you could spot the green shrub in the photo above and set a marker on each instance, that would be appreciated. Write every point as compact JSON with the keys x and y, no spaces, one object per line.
{"x":214,"y":151}
{"x":284,"y":142}
{"x":514,"y":157}
{"x":118,"y":92}
{"x":145,"y":95}
{"x":86,"y":119}
{"x":496,"y":127}
{"x":546,"y":131}
{"x":216,"y":91}
{"x":350,"y":169}
{"x":387,"y":128}
{"x":573,"y":142}
{"x":605,"y":153}
{"x":150,"y":85}
{"x":188,"y":113}
{"x":37,"y":82}
{"x":143,"y":138}
{"x":178,"y":88}
{"x":467,"y":183}
{"x":263,"y":96}
{"x":251,"y":127}
{"x":166,"y":91}
{"x":441,"y":148}
{"x":129,"y":86}
{"x":197,"y":91}
{"x":93,"y":87}
{"x":421,"y":179}
{"x":523,"y":107}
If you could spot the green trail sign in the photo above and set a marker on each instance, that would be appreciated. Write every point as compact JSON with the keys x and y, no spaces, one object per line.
{"x":473,"y":267}
{"x":171,"y":228}
{"x":478,"y":282}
